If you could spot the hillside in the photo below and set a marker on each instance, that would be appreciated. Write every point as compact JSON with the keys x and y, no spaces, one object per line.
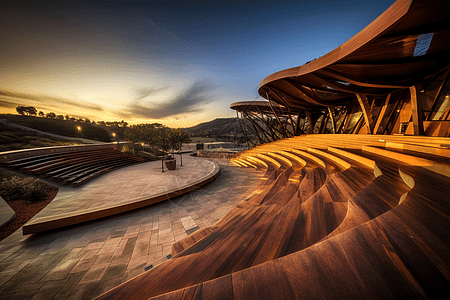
{"x":218,"y":127}
{"x":15,"y":139}
{"x":60,"y":127}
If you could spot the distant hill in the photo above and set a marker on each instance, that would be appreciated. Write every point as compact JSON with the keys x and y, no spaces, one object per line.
{"x":218,"y":127}
{"x":60,"y":127}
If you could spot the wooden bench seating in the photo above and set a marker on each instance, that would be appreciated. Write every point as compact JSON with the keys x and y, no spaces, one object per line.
{"x":350,"y":222}
{"x":75,"y":167}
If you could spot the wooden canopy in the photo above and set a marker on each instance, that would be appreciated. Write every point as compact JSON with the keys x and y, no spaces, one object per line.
{"x":401,"y":48}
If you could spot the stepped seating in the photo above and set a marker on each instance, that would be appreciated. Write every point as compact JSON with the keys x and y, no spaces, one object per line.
{"x":348,"y":217}
{"x":75,"y":167}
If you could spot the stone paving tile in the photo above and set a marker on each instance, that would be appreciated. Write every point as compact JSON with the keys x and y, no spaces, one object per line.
{"x":95,"y":273}
{"x":81,"y":262}
{"x":23,"y":295}
{"x":70,"y":285}
{"x":116,"y":271}
{"x":103,"y":259}
{"x":82,"y":266}
{"x":49,"y":289}
{"x":107,"y":249}
{"x":140,"y":250}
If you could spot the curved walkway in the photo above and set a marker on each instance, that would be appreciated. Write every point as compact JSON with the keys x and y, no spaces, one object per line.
{"x":123,"y":190}
{"x":86,"y":260}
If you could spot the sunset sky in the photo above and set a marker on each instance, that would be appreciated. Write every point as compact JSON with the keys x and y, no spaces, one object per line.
{"x":173,"y":62}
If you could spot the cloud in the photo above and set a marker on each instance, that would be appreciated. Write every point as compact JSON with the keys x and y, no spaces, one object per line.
{"x":191,"y":100}
{"x":145,"y":92}
{"x":46,"y":101}
{"x":6,"y":103}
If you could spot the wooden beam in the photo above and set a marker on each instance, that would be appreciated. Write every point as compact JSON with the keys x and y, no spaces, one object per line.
{"x":333,"y":123}
{"x":261,"y":141}
{"x":323,"y":126}
{"x":416,"y":112}
{"x":311,"y":124}
{"x":438,"y":95}
{"x":312,"y":99}
{"x":297,"y":127}
{"x":276,"y":116}
{"x":344,"y":121}
{"x":381,"y":114}
{"x":359,"y":83}
{"x":243,"y":129}
{"x":366,"y":111}
{"x":358,"y":125}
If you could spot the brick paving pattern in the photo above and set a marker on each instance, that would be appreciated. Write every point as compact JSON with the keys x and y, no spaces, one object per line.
{"x":84,"y":261}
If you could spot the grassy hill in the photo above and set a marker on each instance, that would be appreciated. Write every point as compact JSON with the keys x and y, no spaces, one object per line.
{"x":61,"y":127}
{"x":16,"y":139}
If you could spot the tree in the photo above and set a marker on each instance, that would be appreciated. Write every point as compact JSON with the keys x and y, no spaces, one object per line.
{"x":176,"y":138}
{"x":31,"y":110}
{"x":51,"y":115}
{"x":20,"y":110}
{"x":28,"y":110}
{"x":41,"y":114}
{"x":60,"y":117}
{"x":67,"y":117}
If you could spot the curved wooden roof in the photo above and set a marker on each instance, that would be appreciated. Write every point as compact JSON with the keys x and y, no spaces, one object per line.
{"x":263,"y":107}
{"x":403,"y":46}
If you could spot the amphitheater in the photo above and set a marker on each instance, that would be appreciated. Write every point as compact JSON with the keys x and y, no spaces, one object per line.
{"x":343,"y":194}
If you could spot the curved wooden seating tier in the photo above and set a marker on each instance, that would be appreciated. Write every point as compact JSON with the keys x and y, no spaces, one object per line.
{"x":334,"y":222}
{"x":75,"y":167}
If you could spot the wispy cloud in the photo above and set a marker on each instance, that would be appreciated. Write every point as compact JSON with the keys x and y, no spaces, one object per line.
{"x":190,"y":100}
{"x":145,"y":92}
{"x":13,"y":99}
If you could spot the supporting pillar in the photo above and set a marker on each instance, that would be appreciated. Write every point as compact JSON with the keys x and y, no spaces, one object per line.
{"x":365,"y":107}
{"x":416,"y":111}
{"x":438,"y":94}
{"x":323,"y":126}
{"x":333,"y":123}
{"x":297,"y":126}
{"x":276,"y":116}
{"x":243,"y":129}
{"x":381,"y":114}
{"x":311,"y":125}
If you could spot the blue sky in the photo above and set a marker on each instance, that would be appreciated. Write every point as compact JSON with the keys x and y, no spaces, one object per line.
{"x":174,"y":62}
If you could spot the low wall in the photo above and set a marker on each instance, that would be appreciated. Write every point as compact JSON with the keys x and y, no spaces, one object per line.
{"x":216,"y":154}
{"x":16,"y":154}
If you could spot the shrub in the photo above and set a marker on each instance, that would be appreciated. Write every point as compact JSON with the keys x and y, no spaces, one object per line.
{"x":15,"y":187}
{"x":129,"y":148}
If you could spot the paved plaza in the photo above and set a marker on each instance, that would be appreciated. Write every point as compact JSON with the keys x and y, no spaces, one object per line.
{"x":83,"y":261}
{"x":121,"y":191}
